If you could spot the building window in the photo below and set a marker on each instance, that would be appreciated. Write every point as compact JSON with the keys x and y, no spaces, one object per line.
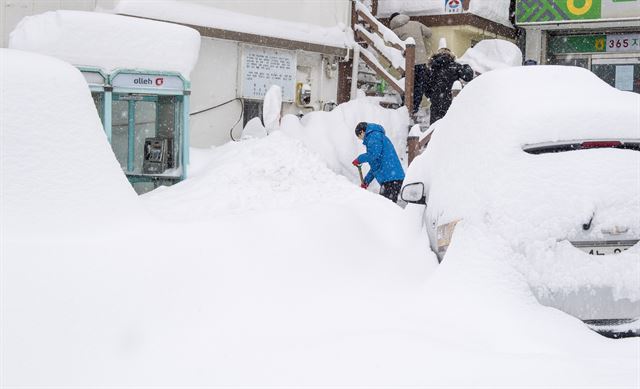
{"x":252,"y":109}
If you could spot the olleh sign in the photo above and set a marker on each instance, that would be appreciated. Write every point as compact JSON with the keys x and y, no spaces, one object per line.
{"x":158,"y":81}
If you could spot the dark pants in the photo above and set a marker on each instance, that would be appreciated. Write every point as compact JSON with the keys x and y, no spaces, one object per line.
{"x":440,"y":106}
{"x":391,"y":189}
{"x":419,"y":85}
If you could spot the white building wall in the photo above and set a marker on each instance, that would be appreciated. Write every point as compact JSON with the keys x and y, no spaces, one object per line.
{"x":213,"y":82}
{"x":216,"y":80}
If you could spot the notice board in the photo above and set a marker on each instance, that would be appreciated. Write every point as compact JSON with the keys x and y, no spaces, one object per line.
{"x":263,"y":67}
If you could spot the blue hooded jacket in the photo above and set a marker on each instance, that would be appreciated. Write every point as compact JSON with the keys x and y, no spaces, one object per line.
{"x":381,"y":156}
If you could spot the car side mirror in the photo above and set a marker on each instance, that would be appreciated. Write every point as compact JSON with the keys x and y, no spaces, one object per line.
{"x":414,"y":193}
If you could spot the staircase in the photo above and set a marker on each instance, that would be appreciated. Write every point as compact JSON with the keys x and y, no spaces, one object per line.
{"x":388,"y":57}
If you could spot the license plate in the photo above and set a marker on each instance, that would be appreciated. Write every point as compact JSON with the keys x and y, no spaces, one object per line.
{"x":605,"y":247}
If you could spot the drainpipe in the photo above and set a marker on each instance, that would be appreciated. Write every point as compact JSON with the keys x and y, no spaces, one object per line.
{"x":354,"y":71}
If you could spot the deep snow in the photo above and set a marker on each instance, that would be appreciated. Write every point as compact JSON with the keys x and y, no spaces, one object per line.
{"x":308,"y":281}
{"x":52,"y":139}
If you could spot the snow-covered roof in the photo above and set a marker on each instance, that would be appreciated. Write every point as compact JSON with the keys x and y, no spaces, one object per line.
{"x":208,"y":16}
{"x":109,"y":41}
{"x":494,"y":10}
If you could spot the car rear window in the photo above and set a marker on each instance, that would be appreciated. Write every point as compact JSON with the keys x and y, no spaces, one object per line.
{"x":562,"y":146}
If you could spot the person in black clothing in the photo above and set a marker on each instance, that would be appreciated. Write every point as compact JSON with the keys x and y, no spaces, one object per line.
{"x":443,"y":72}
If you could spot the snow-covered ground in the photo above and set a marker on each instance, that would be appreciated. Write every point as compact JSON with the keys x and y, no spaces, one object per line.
{"x":266,"y":268}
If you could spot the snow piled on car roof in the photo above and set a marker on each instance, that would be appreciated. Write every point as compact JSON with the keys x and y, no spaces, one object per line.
{"x":109,"y":41}
{"x":475,"y":169}
{"x":542,"y":103}
{"x":492,"y":54}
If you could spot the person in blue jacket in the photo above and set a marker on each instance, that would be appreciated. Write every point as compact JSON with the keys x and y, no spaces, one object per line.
{"x":382,"y":158}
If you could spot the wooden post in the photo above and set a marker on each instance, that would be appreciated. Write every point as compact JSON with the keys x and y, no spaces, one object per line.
{"x":410,"y":61}
{"x":413,"y":142}
{"x":413,"y":147}
{"x":354,"y":15}
{"x":374,"y":8}
{"x":345,"y":68}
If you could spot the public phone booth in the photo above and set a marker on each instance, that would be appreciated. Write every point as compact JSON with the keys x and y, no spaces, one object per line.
{"x":101,"y":93}
{"x":149,"y":129}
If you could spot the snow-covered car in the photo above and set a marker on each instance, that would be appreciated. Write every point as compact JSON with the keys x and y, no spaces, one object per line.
{"x":546,"y":158}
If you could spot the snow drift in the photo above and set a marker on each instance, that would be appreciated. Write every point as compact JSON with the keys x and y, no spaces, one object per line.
{"x":57,"y":165}
{"x":307,"y":281}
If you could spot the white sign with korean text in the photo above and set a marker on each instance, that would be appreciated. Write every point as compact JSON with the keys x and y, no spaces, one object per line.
{"x":623,"y":43}
{"x":263,"y":67}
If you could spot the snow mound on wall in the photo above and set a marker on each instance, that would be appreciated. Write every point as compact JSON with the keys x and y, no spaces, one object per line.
{"x":109,"y":41}
{"x":492,"y":54}
{"x":209,"y":16}
{"x":57,"y":166}
{"x":494,"y":10}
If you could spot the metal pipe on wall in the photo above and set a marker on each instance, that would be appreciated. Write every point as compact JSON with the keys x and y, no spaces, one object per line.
{"x":354,"y":71}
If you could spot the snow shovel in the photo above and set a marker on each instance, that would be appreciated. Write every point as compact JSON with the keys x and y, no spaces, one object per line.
{"x":360,"y":174}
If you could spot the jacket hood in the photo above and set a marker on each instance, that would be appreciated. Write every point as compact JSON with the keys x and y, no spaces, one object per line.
{"x":441,"y":60}
{"x":372,"y":127}
{"x":399,"y":21}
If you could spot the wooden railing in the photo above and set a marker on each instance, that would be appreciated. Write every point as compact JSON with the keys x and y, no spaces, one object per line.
{"x":377,"y":42}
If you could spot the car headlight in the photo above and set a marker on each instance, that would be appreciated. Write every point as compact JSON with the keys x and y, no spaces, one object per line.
{"x":444,"y":234}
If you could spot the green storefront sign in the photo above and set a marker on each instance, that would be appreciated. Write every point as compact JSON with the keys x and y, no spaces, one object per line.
{"x":596,"y":43}
{"x":577,"y":44}
{"x":544,"y":11}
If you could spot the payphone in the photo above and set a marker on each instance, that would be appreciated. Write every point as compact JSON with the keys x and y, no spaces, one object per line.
{"x":149,"y":127}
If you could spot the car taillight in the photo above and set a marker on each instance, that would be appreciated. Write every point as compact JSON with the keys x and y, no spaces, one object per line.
{"x":600,"y":144}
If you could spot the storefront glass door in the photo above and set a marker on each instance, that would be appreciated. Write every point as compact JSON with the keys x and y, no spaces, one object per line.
{"x":621,"y":73}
